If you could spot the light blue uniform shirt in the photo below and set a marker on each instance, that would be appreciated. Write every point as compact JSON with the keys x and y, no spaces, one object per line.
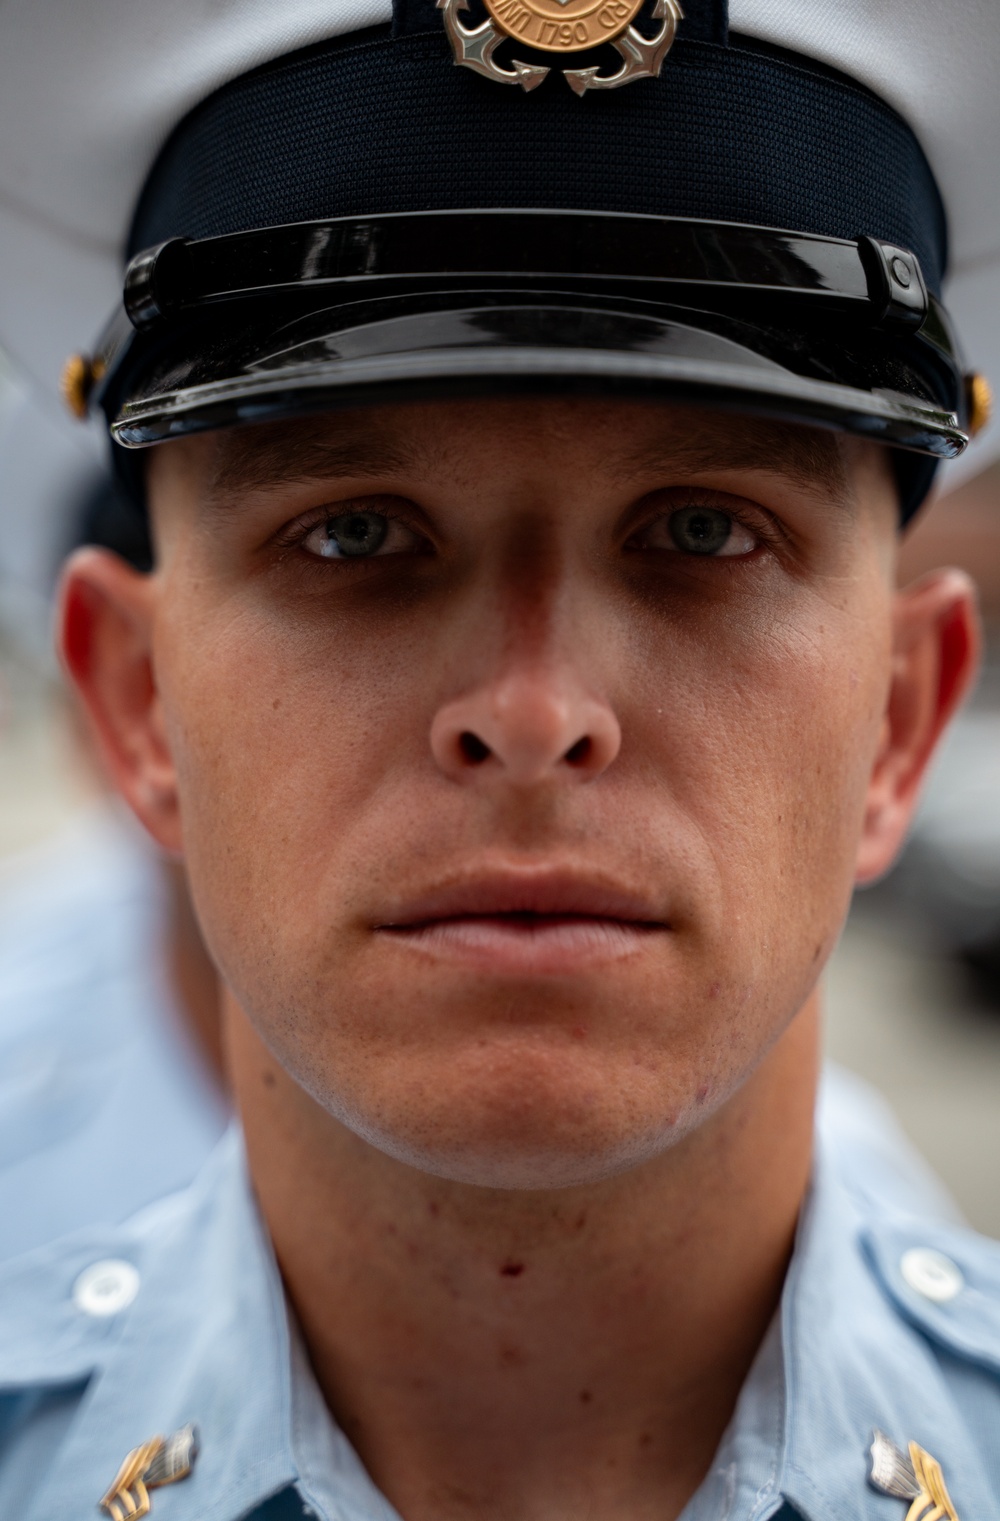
{"x":103,"y":1103}
{"x":196,"y":1329}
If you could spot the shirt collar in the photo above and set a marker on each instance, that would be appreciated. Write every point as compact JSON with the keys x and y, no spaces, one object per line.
{"x":852,"y":1362}
{"x":331,"y":1477}
{"x":207,"y":1339}
{"x":841,"y":1359}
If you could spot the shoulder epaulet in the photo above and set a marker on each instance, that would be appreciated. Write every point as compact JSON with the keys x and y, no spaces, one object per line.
{"x":60,"y":1304}
{"x":945,"y":1280}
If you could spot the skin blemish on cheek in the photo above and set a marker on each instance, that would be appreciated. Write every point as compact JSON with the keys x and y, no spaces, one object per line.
{"x":585,"y":1396}
{"x":269,"y":1080}
{"x":579,"y":1032}
{"x":434,"y":1209}
{"x":276,"y":704}
{"x":714,"y":989}
{"x":512,"y":1270}
{"x":702,"y":1094}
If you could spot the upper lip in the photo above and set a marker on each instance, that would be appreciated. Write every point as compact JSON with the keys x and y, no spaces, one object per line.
{"x":549,"y":893}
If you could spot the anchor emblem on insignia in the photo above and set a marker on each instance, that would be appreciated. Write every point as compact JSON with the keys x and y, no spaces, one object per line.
{"x":562,"y":27}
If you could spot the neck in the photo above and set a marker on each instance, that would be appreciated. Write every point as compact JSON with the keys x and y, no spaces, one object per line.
{"x":530,"y":1354}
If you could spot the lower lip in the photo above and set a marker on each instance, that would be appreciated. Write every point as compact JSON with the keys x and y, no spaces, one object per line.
{"x":546,"y":944}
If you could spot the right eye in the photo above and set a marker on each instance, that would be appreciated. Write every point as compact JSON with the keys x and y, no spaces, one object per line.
{"x":699,"y":530}
{"x":359,"y":535}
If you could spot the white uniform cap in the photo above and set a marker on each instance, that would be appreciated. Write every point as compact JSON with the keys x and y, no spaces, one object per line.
{"x":88,"y":95}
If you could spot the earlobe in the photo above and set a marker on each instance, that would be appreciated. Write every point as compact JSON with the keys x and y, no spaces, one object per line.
{"x":935,"y":656}
{"x":106,"y":619}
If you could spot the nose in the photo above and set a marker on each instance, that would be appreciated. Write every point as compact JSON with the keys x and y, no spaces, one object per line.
{"x":526,"y":728}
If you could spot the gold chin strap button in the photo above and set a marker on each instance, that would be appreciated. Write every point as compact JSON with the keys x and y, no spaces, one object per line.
{"x":79,"y":377}
{"x":157,"y":1462}
{"x":979,"y":400}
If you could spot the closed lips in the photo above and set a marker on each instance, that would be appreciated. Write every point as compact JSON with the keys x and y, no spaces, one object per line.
{"x":525,"y":901}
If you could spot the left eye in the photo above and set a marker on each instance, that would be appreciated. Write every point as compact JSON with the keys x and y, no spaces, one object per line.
{"x":358,"y":536}
{"x":698,"y":530}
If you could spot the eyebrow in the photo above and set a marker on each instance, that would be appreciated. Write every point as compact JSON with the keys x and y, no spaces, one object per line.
{"x":807,"y":457}
{"x":292,"y":456}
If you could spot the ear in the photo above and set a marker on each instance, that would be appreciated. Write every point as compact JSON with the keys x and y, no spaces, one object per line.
{"x":935,"y":657}
{"x":106,"y":621}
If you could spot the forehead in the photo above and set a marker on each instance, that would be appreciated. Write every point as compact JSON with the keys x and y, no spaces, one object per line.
{"x":627,"y":441}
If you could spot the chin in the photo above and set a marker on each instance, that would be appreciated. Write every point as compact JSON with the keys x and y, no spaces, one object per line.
{"x":519,"y":1116}
{"x":521,"y":1170}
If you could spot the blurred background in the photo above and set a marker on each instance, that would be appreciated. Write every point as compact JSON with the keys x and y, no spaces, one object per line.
{"x":913,"y":993}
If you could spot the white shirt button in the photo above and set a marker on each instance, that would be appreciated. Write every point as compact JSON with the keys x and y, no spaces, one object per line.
{"x":106,"y":1287}
{"x":931,"y":1274}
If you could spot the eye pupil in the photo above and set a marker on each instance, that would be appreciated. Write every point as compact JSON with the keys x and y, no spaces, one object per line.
{"x":700,"y":530}
{"x":358,"y":533}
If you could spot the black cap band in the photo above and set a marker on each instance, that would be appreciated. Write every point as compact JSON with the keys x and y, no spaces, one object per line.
{"x":378,"y":124}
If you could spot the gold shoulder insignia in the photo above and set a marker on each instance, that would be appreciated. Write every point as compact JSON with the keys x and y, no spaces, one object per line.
{"x":158,"y":1461}
{"x":917,"y":1478}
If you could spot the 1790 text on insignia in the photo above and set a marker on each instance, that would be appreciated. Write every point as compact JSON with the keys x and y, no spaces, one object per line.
{"x":563,"y":28}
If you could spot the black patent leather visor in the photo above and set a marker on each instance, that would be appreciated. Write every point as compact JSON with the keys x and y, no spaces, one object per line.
{"x":275,"y":323}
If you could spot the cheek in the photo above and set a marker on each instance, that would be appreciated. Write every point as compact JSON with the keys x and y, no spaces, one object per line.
{"x":282,"y":734}
{"x":766,"y":725}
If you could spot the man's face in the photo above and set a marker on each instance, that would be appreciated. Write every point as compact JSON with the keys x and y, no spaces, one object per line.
{"x":522,"y":753}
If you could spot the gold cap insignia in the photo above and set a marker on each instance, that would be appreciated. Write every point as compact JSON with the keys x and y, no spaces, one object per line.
{"x":562,"y":26}
{"x":917,"y":1478}
{"x":161,"y":1460}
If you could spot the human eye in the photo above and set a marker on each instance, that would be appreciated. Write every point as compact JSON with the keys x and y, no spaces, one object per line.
{"x":358,"y":534}
{"x":699,"y":529}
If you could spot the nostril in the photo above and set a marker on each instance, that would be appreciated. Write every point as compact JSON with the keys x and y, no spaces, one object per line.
{"x":472,"y":748}
{"x":579,"y":754}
